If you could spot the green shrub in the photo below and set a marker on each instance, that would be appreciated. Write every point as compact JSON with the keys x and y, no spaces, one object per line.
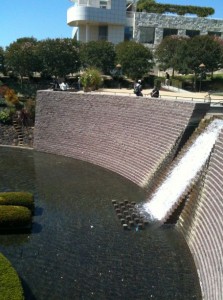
{"x":15,"y":217}
{"x":5,"y":116}
{"x":10,"y":285}
{"x":17,"y":198}
{"x":91,"y":79}
{"x":157,"y":83}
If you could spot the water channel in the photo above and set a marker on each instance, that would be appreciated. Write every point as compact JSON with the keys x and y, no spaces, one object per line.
{"x":77,"y":248}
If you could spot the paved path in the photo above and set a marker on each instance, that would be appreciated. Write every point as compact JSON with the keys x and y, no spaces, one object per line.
{"x":172,"y":93}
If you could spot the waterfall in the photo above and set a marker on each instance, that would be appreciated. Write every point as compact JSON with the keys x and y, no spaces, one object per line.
{"x":181,"y":176}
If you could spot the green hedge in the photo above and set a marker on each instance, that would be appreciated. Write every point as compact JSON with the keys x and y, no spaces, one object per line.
{"x":14,"y":217}
{"x":17,"y":198}
{"x":10,"y":285}
{"x":143,"y":5}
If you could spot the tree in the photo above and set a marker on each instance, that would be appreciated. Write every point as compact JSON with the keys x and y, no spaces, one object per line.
{"x":172,"y":53}
{"x":2,"y":60}
{"x":136,"y":60}
{"x":98,"y":54}
{"x":21,"y":58}
{"x":204,"y":49}
{"x":59,"y":57}
{"x":220,"y":42}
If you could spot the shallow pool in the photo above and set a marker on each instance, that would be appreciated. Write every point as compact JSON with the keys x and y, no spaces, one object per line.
{"x":77,"y":248}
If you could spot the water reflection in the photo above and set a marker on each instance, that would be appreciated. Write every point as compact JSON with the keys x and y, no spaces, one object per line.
{"x":78,"y":250}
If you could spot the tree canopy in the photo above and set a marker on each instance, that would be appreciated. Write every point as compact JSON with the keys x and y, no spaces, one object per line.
{"x":59,"y":57}
{"x":187,"y":54}
{"x":2,"y":60}
{"x":136,"y":60}
{"x":21,"y":58}
{"x":204,"y":49}
{"x":172,"y":53}
{"x":98,"y":54}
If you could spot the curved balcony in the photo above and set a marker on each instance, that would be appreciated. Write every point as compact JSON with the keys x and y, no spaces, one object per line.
{"x":95,"y":11}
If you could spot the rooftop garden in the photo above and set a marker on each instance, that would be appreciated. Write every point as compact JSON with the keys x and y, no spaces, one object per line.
{"x":151,"y":6}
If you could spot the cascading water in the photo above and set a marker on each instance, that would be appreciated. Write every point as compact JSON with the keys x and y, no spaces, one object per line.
{"x":181,"y":176}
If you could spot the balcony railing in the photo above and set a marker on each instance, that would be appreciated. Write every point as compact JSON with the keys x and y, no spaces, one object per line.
{"x":106,"y":4}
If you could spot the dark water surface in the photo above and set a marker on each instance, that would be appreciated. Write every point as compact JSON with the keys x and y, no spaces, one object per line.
{"x":77,"y":248}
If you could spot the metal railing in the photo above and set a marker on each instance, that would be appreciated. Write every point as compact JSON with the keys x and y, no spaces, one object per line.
{"x":207,"y":98}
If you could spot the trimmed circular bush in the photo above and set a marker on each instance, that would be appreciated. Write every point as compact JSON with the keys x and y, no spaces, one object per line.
{"x":15,"y":217}
{"x":10,"y":284}
{"x":17,"y":198}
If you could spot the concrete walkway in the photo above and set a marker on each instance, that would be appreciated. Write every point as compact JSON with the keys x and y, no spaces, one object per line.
{"x":167,"y":92}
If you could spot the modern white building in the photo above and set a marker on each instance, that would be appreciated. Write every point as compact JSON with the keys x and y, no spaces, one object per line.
{"x":98,"y":20}
{"x":116,"y":21}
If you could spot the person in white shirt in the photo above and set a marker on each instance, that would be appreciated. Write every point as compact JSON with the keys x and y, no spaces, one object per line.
{"x":63,"y":86}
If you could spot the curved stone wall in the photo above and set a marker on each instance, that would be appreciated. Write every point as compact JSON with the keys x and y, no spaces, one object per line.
{"x":202,"y":225}
{"x":127,"y":135}
{"x":131,"y":137}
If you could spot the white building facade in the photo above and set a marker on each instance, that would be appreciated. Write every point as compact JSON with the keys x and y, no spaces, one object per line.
{"x":98,"y":20}
{"x":116,"y":21}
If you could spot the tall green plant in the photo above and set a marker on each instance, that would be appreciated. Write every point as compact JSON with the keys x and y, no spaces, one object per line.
{"x":91,"y":79}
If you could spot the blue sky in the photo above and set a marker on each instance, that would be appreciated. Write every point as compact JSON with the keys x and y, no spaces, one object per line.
{"x":47,"y":18}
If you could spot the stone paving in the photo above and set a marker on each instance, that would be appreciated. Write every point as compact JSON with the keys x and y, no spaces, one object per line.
{"x":168,"y":93}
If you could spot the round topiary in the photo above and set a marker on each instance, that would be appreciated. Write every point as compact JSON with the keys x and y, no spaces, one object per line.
{"x":14,"y":217}
{"x":17,"y":198}
{"x":11,"y":288}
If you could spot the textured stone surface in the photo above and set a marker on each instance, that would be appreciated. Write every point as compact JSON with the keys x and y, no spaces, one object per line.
{"x":127,"y":135}
{"x":202,"y":226}
{"x":182,"y":23}
{"x":9,"y":136}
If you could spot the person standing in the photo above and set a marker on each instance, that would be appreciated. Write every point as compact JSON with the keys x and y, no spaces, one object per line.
{"x":167,"y":80}
{"x":79,"y":83}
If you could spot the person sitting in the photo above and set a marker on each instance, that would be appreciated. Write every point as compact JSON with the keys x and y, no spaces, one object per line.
{"x":63,"y":86}
{"x":155,"y":92}
{"x":55,"y":85}
{"x":138,"y":88}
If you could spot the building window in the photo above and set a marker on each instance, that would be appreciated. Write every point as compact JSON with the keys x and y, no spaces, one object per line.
{"x":103,"y":33}
{"x":214,"y":33}
{"x":103,"y":4}
{"x":128,"y":33}
{"x":192,"y":33}
{"x":169,"y":31}
{"x":147,"y":35}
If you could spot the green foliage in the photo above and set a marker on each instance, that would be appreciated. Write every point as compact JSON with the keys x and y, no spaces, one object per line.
{"x":17,"y":198}
{"x":172,"y":53}
{"x":58,"y":57}
{"x":15,"y":217}
{"x":186,"y":54}
{"x":5,"y":116}
{"x":153,"y":7}
{"x":204,"y":49}
{"x":157,"y":83}
{"x":135,"y":59}
{"x":10,"y":285}
{"x":21,"y":58}
{"x":91,"y":79}
{"x":2,"y":60}
{"x":2,"y":102}
{"x":99,"y":55}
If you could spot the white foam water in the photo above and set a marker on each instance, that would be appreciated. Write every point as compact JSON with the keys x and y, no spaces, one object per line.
{"x":183,"y":173}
